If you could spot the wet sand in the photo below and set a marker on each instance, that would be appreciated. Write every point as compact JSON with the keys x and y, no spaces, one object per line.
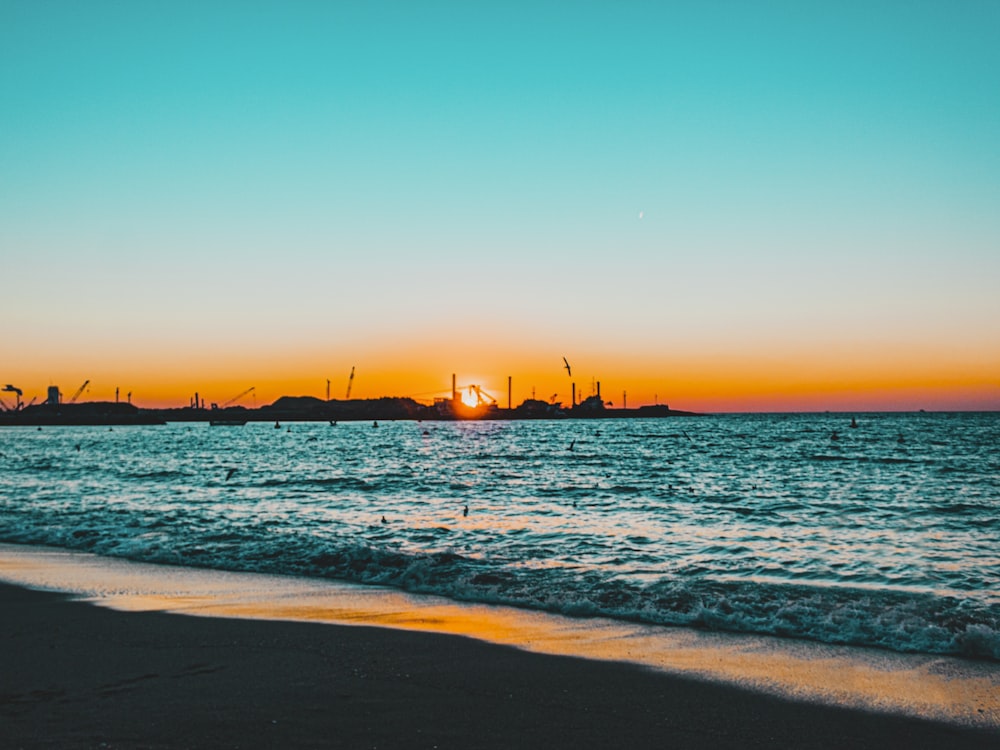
{"x":75,"y":675}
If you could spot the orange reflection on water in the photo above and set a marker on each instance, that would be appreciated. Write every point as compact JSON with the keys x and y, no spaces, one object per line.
{"x":932,"y":687}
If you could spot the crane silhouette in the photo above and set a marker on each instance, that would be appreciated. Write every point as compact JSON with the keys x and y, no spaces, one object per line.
{"x":350,"y":382}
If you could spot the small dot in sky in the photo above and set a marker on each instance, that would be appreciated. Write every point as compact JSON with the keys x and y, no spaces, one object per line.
{"x":641,"y":213}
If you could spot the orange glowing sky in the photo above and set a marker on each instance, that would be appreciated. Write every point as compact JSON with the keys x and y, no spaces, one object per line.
{"x":798,"y":378}
{"x":721,"y":211}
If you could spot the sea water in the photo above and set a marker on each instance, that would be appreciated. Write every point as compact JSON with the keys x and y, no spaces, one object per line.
{"x":884,"y":535}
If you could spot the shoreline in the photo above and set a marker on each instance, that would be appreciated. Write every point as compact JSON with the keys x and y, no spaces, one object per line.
{"x":78,"y":676}
{"x":454,"y":688}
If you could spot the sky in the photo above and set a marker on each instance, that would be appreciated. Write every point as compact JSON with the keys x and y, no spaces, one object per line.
{"x":721,"y":206}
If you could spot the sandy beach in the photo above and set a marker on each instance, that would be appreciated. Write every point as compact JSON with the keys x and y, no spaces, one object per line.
{"x":79,"y":676}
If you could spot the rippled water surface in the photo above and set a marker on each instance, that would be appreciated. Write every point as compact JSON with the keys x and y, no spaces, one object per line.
{"x":887,"y":534}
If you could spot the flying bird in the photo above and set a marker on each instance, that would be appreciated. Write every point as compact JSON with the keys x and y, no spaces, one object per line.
{"x":566,"y":365}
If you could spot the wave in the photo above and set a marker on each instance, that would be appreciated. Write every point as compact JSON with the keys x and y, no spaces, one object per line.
{"x":894,"y":620}
{"x":342,"y":483}
{"x":162,"y":474}
{"x":884,"y":460}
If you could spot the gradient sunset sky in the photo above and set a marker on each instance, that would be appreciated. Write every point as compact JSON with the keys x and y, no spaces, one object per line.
{"x":723,"y":206}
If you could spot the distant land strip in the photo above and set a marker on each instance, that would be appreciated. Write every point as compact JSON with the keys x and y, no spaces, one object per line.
{"x":311,"y":409}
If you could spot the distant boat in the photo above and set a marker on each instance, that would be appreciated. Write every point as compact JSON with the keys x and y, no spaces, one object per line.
{"x":227,"y":422}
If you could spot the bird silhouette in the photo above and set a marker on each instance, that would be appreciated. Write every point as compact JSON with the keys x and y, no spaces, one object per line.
{"x":569,"y":370}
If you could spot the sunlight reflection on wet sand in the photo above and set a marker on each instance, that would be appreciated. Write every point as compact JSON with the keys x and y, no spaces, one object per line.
{"x":942,"y":688}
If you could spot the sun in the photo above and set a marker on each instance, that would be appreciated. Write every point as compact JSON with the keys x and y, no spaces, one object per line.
{"x":469,"y":398}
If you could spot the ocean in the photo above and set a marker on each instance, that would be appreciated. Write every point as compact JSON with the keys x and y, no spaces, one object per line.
{"x":883,"y":535}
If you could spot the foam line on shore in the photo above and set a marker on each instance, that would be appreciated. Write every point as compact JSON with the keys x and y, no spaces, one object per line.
{"x":944,"y":689}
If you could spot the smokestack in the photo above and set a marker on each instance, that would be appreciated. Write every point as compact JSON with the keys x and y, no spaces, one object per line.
{"x":574,"y":394}
{"x":509,"y":402}
{"x":598,"y":388}
{"x":454,"y":388}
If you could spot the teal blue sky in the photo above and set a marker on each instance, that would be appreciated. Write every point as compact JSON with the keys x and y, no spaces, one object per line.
{"x":634,"y":181}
